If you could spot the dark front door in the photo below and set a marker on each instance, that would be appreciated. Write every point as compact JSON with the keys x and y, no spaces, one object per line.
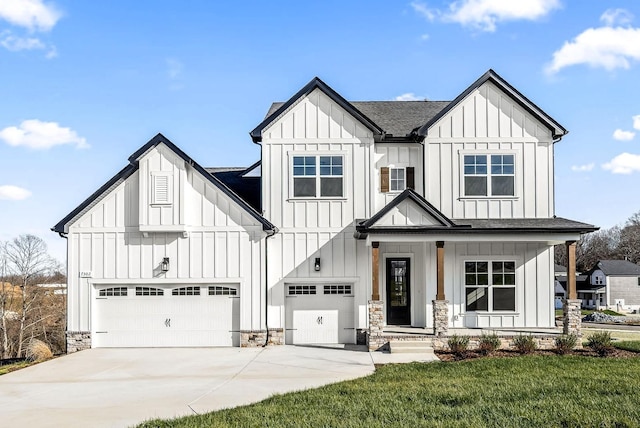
{"x":398,"y":295}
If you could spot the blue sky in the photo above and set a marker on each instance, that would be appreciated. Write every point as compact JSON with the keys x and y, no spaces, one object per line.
{"x":85,"y":84}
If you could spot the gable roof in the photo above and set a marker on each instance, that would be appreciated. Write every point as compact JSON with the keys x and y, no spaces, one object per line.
{"x":91,"y":201}
{"x":248,"y":188}
{"x":556,"y":129}
{"x":617,"y":267}
{"x":409,"y":194}
{"x":315,"y":83}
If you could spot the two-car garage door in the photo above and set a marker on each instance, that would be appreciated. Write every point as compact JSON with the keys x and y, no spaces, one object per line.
{"x":319,"y":314}
{"x":152,"y":316}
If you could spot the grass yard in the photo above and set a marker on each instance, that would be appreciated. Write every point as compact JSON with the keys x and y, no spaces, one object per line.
{"x":532,"y":391}
{"x":14,"y":366}
{"x":628,"y":345}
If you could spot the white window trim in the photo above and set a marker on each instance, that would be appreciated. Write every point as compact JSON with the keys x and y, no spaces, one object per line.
{"x":169,"y":176}
{"x":516,"y":173}
{"x":490,"y":287}
{"x":391,"y":167}
{"x":346,"y":177}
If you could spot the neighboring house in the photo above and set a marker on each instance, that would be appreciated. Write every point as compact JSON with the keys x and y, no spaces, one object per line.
{"x":613,"y":284}
{"x":55,"y":288}
{"x":560,"y":292}
{"x":430,"y":214}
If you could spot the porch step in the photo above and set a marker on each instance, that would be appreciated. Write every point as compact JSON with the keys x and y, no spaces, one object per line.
{"x":410,"y":347}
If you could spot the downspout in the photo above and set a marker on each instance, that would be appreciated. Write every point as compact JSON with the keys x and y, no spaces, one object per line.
{"x":266,"y":286}
{"x":66,"y":299}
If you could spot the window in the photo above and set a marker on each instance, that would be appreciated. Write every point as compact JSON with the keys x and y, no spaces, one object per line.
{"x":490,"y":286}
{"x":315,"y":176}
{"x":337,"y":289}
{"x":598,"y":280}
{"x":489,"y":175}
{"x":301,"y":289}
{"x":149,"y":291}
{"x":396,"y":179}
{"x":161,"y":188}
{"x":217,"y":290}
{"x":186,"y":291}
{"x":113,"y":292}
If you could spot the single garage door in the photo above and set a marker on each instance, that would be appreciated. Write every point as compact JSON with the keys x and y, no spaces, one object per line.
{"x":317,"y":314}
{"x":148,"y":316}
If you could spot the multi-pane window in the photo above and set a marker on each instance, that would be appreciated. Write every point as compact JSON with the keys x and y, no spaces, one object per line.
{"x":337,"y":289}
{"x":218,"y":290}
{"x":149,"y":291}
{"x":186,"y":291}
{"x":113,"y":292}
{"x":397,"y":179}
{"x":486,"y":175}
{"x":318,"y":176}
{"x":490,"y":286}
{"x":301,"y":289}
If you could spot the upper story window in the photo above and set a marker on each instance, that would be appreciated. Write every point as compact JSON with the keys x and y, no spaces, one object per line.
{"x":394,"y":179}
{"x":489,"y":175}
{"x":318,"y":176}
{"x":598,"y":280}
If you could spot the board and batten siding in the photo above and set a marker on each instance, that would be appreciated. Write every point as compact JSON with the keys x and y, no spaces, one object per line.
{"x":316,"y":227}
{"x":396,"y":155}
{"x":488,"y":122}
{"x":223,"y":244}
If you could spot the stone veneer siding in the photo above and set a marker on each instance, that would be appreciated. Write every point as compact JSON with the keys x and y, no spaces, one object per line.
{"x":440,"y":317}
{"x":255,"y":338}
{"x":375,"y":340}
{"x":572,"y":323}
{"x":78,"y":341}
{"x":543,"y":342}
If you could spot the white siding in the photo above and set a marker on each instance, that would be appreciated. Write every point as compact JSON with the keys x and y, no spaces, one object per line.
{"x":222,"y":244}
{"x":396,"y":155}
{"x":487,"y":122}
{"x":407,"y":213}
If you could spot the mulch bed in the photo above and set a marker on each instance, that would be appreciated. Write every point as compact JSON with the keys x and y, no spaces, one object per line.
{"x":472,"y":355}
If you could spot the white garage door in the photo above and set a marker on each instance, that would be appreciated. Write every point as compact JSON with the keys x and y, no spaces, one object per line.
{"x":146,"y":316}
{"x":319,"y":314}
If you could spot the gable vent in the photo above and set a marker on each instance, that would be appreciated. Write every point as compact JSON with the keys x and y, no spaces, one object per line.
{"x":161,"y":189}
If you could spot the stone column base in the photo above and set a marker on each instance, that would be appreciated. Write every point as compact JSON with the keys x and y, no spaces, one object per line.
{"x":440,"y":317}
{"x":572,"y":323}
{"x":376,"y":324}
{"x":256,"y":338}
{"x":78,"y":341}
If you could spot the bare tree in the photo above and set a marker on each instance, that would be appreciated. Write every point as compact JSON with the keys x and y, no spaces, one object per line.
{"x":629,"y":246}
{"x":29,"y":264}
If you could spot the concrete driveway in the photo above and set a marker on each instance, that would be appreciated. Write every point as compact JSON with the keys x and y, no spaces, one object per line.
{"x":122,"y":387}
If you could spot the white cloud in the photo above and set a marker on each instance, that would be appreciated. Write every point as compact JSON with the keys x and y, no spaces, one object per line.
{"x":39,"y":135}
{"x":582,"y":168}
{"x":13,"y":193}
{"x":636,"y":122}
{"x":485,"y":14}
{"x":13,"y":43}
{"x":624,"y":163}
{"x":612,"y":17}
{"x":409,"y":96}
{"x":621,"y":135}
{"x":424,"y":37}
{"x":605,"y":47}
{"x":35,"y":15}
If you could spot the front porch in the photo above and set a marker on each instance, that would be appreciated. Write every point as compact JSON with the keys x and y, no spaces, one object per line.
{"x":544,"y":337}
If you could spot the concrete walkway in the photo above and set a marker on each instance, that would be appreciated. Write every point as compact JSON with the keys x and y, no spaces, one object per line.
{"x":123,"y":387}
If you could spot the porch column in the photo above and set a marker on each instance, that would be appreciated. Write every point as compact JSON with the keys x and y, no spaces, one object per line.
{"x":572,"y":322}
{"x":440,"y":305}
{"x":376,"y":307}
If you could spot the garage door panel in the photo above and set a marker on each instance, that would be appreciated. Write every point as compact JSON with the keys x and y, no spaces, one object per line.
{"x":319,"y":318}
{"x":166,"y":321}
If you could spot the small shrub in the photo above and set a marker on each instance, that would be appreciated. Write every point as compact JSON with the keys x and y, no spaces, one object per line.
{"x":566,"y":343}
{"x":38,"y":351}
{"x":488,"y":343}
{"x":459,"y":345}
{"x":525,"y":344}
{"x":601,"y":343}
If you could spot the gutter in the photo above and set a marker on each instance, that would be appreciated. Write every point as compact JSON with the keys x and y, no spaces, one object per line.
{"x":266,"y":284}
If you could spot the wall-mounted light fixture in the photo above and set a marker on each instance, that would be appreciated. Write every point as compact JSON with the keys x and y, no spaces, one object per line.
{"x":164,"y":266}
{"x":316,"y":265}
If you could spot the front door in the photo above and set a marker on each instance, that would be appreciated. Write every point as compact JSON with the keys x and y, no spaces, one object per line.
{"x":398,"y":292}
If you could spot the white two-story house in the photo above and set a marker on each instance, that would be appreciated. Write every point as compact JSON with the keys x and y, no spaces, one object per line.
{"x":359,"y":215}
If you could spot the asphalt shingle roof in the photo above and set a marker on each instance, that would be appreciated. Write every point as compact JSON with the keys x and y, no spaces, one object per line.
{"x":618,"y":267}
{"x":397,"y":118}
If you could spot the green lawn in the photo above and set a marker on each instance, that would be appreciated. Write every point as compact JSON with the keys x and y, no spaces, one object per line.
{"x":628,"y":345}
{"x":533,"y":391}
{"x":15,"y":366}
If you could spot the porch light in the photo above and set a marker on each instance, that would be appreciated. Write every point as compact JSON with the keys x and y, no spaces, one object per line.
{"x":164,"y":266}
{"x":316,"y":265}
